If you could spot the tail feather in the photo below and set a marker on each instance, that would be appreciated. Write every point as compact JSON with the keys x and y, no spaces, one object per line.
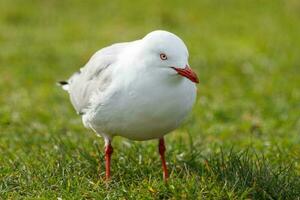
{"x":64,"y":85}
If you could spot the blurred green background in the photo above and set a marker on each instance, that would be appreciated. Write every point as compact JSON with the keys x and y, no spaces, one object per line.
{"x":247,"y":56}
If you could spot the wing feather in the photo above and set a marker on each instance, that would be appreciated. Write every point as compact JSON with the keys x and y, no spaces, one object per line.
{"x":95,"y":76}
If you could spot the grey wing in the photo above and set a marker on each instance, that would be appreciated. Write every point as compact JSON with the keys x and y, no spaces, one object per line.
{"x":94,"y":77}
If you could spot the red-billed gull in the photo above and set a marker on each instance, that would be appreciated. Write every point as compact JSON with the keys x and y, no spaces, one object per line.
{"x":140,"y":90}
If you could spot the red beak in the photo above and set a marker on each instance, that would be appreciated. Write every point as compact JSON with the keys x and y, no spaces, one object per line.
{"x":188,"y":73}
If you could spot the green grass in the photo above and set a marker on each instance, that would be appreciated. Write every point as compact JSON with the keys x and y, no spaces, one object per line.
{"x":241,"y":141}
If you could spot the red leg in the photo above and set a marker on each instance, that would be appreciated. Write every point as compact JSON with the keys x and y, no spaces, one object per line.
{"x":162,"y":149}
{"x":108,"y":152}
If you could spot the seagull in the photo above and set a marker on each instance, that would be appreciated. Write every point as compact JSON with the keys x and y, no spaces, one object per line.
{"x":139,"y":90}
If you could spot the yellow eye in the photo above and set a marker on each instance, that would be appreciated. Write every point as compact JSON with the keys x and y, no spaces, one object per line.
{"x":163,"y":56}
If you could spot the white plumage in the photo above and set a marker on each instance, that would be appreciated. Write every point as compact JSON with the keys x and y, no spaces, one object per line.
{"x":127,"y":90}
{"x":139,"y":90}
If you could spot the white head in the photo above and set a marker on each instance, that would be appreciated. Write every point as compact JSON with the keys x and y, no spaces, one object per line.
{"x":166,"y":50}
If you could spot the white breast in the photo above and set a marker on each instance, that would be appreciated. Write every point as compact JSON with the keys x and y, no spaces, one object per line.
{"x":146,"y":108}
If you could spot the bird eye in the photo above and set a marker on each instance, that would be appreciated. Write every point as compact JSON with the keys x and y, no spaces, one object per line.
{"x":163,"y":56}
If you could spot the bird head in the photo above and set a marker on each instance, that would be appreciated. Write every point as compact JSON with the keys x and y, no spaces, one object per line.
{"x":165,"y":50}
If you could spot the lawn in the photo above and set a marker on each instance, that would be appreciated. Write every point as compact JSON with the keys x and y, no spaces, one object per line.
{"x":242,"y":140}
